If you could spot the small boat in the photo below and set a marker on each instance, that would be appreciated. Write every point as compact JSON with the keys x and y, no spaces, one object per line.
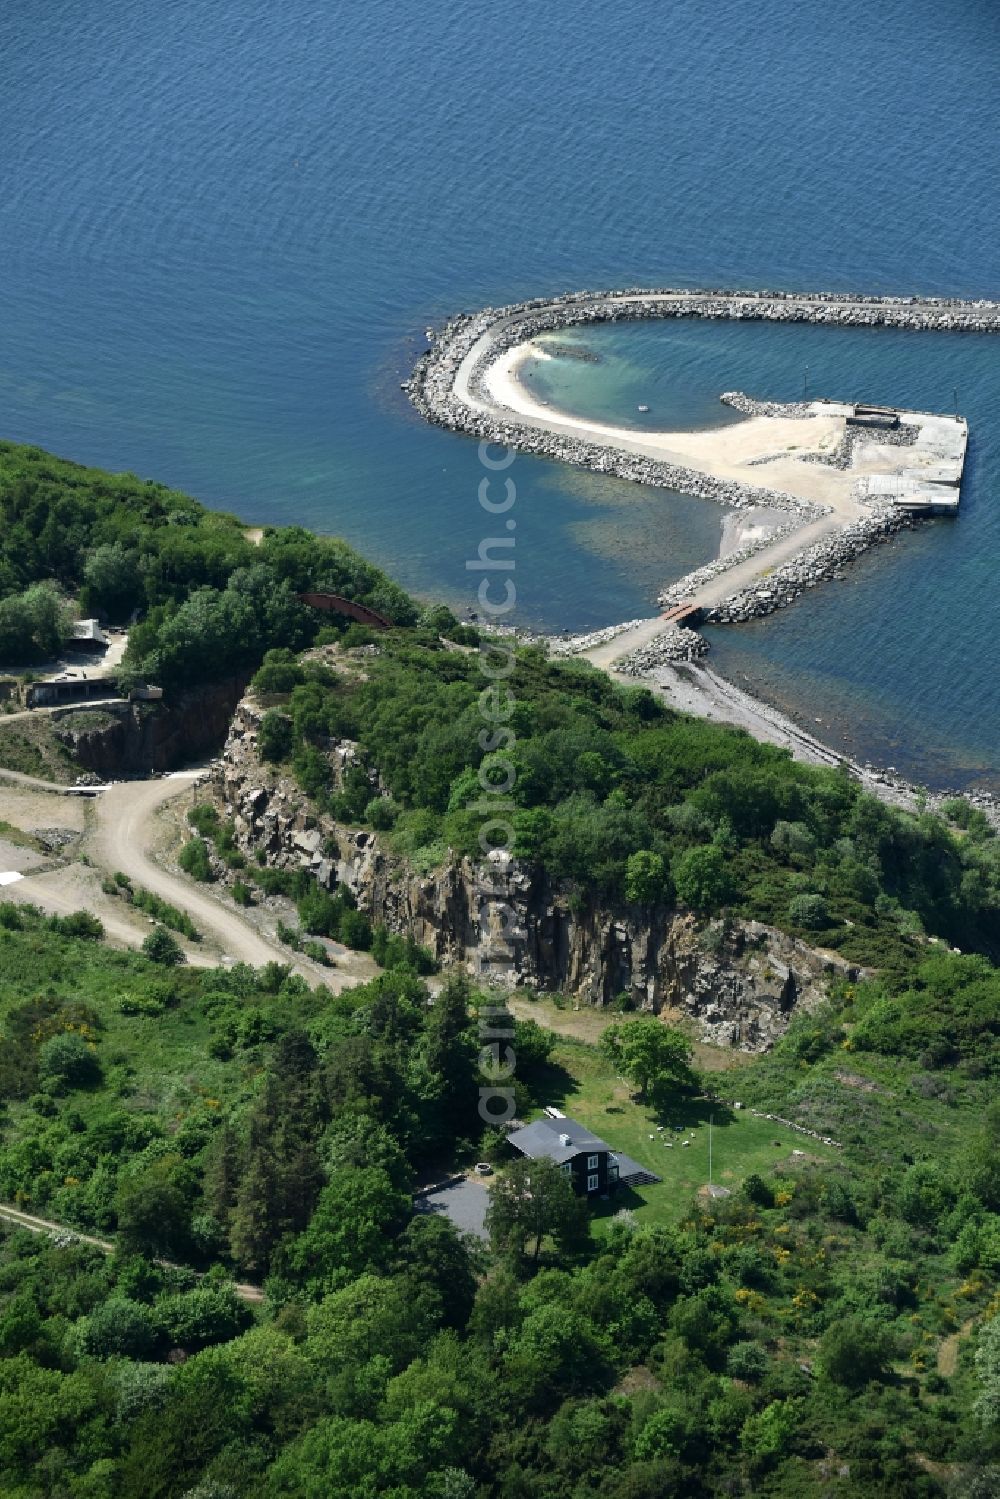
{"x":643,"y":408}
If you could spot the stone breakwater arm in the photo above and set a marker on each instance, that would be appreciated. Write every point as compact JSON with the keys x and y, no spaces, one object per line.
{"x":447,"y":384}
{"x":449,"y":387}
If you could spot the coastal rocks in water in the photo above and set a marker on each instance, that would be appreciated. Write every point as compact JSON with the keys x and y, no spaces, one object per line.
{"x":570,"y":351}
{"x":749,"y":406}
{"x":574,"y":645}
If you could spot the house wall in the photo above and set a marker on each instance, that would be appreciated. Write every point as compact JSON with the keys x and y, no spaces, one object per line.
{"x":580,"y":1171}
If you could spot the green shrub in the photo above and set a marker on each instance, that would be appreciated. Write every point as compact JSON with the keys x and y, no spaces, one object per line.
{"x":289,"y":936}
{"x":67,"y":1061}
{"x":195,"y":860}
{"x":318,"y":953}
{"x":78,"y":924}
{"x":381,"y":812}
{"x":747,"y":1361}
{"x":121,"y":1328}
{"x":160,"y":947}
{"x":392,"y":951}
{"x":758,"y":1191}
{"x":645,"y":878}
{"x":204,"y":818}
{"x":141,"y":1004}
{"x":703,"y":879}
{"x":853,"y":1352}
{"x":280,"y":673}
{"x":809,"y":911}
{"x":355,"y":930}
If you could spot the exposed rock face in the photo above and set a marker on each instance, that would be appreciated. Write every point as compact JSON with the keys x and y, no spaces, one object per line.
{"x":739,"y":981}
{"x":151,"y":736}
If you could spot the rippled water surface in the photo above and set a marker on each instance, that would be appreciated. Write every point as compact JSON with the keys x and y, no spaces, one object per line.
{"x":224,"y":229}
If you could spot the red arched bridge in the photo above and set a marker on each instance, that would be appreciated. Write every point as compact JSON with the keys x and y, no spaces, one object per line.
{"x":335,"y":603}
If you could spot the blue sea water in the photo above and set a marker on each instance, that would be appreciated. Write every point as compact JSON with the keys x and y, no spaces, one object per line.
{"x":224,"y":228}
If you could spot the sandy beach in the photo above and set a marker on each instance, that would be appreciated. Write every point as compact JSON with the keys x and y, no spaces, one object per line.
{"x":731,"y":452}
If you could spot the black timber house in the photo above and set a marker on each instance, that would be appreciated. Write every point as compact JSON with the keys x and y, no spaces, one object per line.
{"x":589,"y":1161}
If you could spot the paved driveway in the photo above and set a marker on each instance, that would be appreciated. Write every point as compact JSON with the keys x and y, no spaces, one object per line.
{"x":464,"y":1202}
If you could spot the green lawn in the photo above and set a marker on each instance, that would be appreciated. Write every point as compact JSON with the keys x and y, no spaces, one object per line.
{"x":585,"y":1086}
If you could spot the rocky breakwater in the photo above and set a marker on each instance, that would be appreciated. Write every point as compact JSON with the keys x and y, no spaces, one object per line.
{"x":673,"y":644}
{"x":678,"y":592}
{"x":447,"y":388}
{"x":824,"y":560}
{"x":575,"y":645}
{"x":739,"y":982}
{"x":750,"y":406}
{"x":432,"y":390}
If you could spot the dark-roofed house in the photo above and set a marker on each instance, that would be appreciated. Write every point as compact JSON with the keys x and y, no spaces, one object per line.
{"x":584,"y":1156}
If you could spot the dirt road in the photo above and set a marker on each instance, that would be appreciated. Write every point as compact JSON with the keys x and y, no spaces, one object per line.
{"x":122,"y":835}
{"x":34,"y":1225}
{"x":122,"y":839}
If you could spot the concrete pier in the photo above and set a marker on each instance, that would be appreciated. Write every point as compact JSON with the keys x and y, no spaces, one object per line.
{"x":924,"y":478}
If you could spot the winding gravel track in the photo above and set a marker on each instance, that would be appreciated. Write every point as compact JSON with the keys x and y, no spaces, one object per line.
{"x":122,"y":840}
{"x":19,"y":1219}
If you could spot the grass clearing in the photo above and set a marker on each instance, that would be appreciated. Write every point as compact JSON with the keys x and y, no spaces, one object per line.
{"x":31,"y":747}
{"x":588,"y":1023}
{"x":586,"y":1087}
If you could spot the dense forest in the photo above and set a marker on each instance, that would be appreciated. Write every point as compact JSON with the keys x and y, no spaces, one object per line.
{"x":219,"y":1126}
{"x":210,"y":599}
{"x":240,"y":1297}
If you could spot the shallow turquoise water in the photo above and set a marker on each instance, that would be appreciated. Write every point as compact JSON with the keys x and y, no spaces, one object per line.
{"x":224,"y":228}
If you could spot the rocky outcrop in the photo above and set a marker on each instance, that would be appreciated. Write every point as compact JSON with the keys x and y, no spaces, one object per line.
{"x":136,"y":738}
{"x":738,"y":981}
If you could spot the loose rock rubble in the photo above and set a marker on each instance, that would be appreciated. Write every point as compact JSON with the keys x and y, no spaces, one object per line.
{"x":673,"y":644}
{"x":842,"y":456}
{"x":800,"y":1129}
{"x":750,"y":406}
{"x":573,"y":645}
